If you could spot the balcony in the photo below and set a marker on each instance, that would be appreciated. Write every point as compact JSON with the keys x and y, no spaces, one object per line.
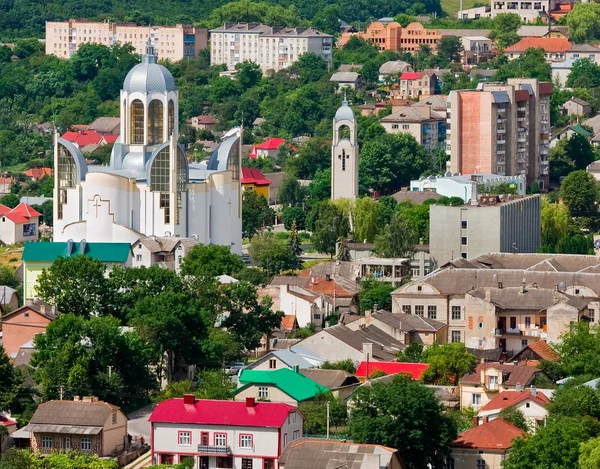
{"x":500,"y":142}
{"x":500,"y":152}
{"x":508,"y":331}
{"x":521,"y":140}
{"x":491,"y":387}
{"x":207,"y":449}
{"x":501,"y":110}
{"x":501,"y":131}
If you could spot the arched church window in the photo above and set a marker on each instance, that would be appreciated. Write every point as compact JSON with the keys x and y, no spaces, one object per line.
{"x":233,"y":162}
{"x":171,"y":117}
{"x":155,"y":122}
{"x":182,"y":177}
{"x":67,"y":176}
{"x":159,"y":175}
{"x":343,"y":132}
{"x":136,"y":122}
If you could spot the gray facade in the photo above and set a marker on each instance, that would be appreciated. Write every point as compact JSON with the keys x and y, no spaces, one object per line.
{"x":491,"y":226}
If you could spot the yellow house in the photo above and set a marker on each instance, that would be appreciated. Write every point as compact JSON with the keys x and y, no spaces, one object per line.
{"x":254,"y":180}
{"x":40,"y":256}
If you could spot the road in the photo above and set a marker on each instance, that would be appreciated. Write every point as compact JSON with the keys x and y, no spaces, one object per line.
{"x":138,"y":424}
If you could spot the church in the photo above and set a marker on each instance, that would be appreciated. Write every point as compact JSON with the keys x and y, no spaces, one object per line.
{"x":149,"y":188}
{"x":344,"y":154}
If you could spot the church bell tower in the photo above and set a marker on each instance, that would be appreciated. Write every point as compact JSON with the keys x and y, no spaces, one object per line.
{"x":344,"y":154}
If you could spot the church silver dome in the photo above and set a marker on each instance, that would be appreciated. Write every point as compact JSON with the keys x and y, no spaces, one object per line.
{"x":149,"y":77}
{"x":345,"y":112}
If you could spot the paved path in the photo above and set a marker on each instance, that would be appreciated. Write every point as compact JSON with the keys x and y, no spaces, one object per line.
{"x":138,"y":424}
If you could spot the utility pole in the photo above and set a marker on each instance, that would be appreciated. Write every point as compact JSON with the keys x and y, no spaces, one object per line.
{"x":110,"y":370}
{"x":61,"y":393}
{"x":328,"y":420}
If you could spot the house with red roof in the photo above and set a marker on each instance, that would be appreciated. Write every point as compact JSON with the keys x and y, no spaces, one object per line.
{"x":531,"y":402}
{"x":203,"y":122}
{"x":555,"y":48}
{"x":254,"y":180}
{"x":38,"y":173}
{"x":11,"y":427}
{"x":414,"y":85}
{"x":366,"y":369}
{"x":483,"y":446}
{"x":89,"y":140}
{"x":18,"y":224}
{"x":268,"y":148}
{"x":222,"y":434}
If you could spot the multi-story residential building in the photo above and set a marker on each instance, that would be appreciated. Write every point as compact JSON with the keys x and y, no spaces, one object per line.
{"x":423,"y":123}
{"x":476,"y":49}
{"x":501,"y":129}
{"x":486,"y":224}
{"x":222,"y":434}
{"x":415,"y":85}
{"x":271,"y":47}
{"x":173,"y":43}
{"x":538,"y":295}
{"x":462,"y":185}
{"x":555,"y":48}
{"x":392,"y":36}
{"x":527,"y":10}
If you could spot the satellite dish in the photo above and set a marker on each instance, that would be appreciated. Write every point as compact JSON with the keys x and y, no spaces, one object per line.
{"x":167,"y":233}
{"x":195,"y":237}
{"x":562,"y":287}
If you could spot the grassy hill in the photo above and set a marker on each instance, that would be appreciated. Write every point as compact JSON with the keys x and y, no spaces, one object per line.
{"x":451,"y":7}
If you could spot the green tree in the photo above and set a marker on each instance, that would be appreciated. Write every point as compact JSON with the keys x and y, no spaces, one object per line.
{"x":271,"y":254}
{"x":515,"y":417}
{"x":375,"y":292}
{"x":580,"y":151}
{"x":248,"y":74}
{"x":290,"y":190}
{"x":504,"y":30}
{"x":293,"y":215}
{"x":320,"y":187}
{"x":584,"y":74}
{"x":344,"y":365}
{"x":327,"y":19}
{"x":398,"y":239}
{"x":556,"y":445}
{"x":412,"y":354}
{"x":579,"y":350}
{"x":12,"y":383}
{"x":256,"y":213}
{"x":214,"y":384}
{"x":88,"y":60}
{"x":450,"y":48}
{"x":211,"y":261}
{"x":330,"y":226}
{"x":583,"y":22}
{"x":293,"y":242}
{"x":10,"y":200}
{"x":448,"y":363}
{"x":589,"y":454}
{"x":315,"y":414}
{"x":531,"y":64}
{"x":367,"y":219}
{"x":555,"y":223}
{"x":75,"y":285}
{"x":575,"y":401}
{"x":403,"y":414}
{"x":579,"y":192}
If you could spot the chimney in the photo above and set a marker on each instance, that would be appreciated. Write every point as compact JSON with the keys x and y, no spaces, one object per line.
{"x":474,"y":193}
{"x":368,"y":316}
{"x":499,"y":285}
{"x":523,"y":286}
{"x":89,"y":399}
{"x":43,"y":308}
{"x":488,"y":295}
{"x":76,"y":398}
{"x":296,"y":368}
{"x":328,"y":277}
{"x":250,"y":402}
{"x":475,"y":421}
{"x":556,"y":287}
{"x":189,"y":399}
{"x":533,"y":391}
{"x":367,"y":351}
{"x":486,"y":419}
{"x":375,"y":307}
{"x":518,"y":387}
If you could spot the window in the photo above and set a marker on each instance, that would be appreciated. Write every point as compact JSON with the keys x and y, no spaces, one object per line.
{"x":456,"y":313}
{"x":246,"y":463}
{"x":527,"y":322}
{"x":463,"y":241}
{"x":405,"y":127}
{"x":220,"y":439}
{"x":246,"y":441}
{"x":419,"y":309}
{"x":185,"y":438}
{"x":432,"y":312}
{"x":528,"y":405}
{"x":296,"y":434}
{"x":513,"y":322}
{"x":592,"y":314}
{"x":272,"y":364}
{"x":406,"y":309}
{"x":577,"y":291}
{"x":114,"y":418}
{"x":204,"y":439}
{"x":263,"y":392}
{"x":46,"y":442}
{"x":155,"y":122}
{"x":317,"y":316}
{"x":463,"y":255}
{"x":455,"y":336}
{"x":493,"y":382}
{"x":136,"y":116}
{"x":480,"y":464}
{"x":394,"y":126}
{"x":476,"y":399}
{"x":285,"y":439}
{"x":268,"y":464}
{"x":524,"y":343}
{"x":138,"y":257}
{"x":463,"y":224}
{"x":225,"y":462}
{"x":450,"y":463}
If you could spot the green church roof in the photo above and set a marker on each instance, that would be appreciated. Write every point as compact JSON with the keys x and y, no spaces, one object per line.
{"x":290,"y":382}
{"x":49,"y":252}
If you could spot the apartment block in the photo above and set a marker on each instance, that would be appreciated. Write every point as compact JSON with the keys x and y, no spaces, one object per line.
{"x":392,"y":36}
{"x":528,"y":10}
{"x":423,"y":123}
{"x":170,"y":42}
{"x":500,"y":128}
{"x":487,"y":224}
{"x":272,"y":48}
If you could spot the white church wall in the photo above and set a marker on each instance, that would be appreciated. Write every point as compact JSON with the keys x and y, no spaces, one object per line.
{"x":115,"y":190}
{"x":198,"y":211}
{"x":71,"y":213}
{"x":344,"y":176}
{"x":221,"y":203}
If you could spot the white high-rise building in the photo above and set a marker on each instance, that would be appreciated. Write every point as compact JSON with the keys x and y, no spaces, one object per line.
{"x":272,"y":48}
{"x":344,"y":154}
{"x":149,"y":188}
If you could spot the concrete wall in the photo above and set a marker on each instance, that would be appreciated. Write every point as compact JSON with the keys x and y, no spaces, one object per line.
{"x":331,"y":349}
{"x":467,"y":458}
{"x":114,"y":434}
{"x":21,"y":328}
{"x":275,"y":394}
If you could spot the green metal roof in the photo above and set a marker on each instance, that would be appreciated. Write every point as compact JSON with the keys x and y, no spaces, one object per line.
{"x":293,"y":384}
{"x":578,"y":128}
{"x":49,"y":252}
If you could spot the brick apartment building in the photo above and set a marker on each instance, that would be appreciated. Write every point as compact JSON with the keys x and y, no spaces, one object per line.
{"x":501,"y":128}
{"x":271,"y":47}
{"x":170,"y":42}
{"x":392,"y":36}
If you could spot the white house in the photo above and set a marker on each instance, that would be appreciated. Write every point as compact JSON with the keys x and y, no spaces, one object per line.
{"x":223,"y":434}
{"x":461,"y":185}
{"x":304,"y":304}
{"x":532,"y":403}
{"x":167,"y":252}
{"x":19,"y":224}
{"x":286,"y":358}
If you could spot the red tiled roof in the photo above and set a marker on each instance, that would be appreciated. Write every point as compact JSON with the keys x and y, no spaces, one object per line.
{"x":7,"y":180}
{"x":20,"y":214}
{"x":205,"y":119}
{"x":4,"y":209}
{"x":507,"y":399}
{"x":288,"y":322}
{"x":254,"y":176}
{"x":5,"y":421}
{"x":549,"y":44}
{"x":495,"y":434}
{"x":110,"y":138}
{"x":26,"y":210}
{"x":229,"y":413}
{"x":83,"y":137}
{"x":328,"y":287}
{"x":518,"y":374}
{"x":544,"y":351}
{"x":410,"y":76}
{"x":391,"y":368}
{"x":38,"y":173}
